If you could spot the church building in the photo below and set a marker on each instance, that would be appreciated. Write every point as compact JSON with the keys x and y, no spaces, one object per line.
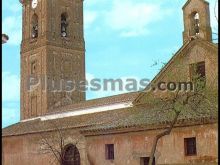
{"x":64,"y":128}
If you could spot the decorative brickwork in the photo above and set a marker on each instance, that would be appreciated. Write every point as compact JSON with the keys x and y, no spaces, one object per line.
{"x":45,"y":52}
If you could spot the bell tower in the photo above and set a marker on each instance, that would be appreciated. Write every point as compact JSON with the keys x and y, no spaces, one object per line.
{"x":52,"y":55}
{"x":196,"y":17}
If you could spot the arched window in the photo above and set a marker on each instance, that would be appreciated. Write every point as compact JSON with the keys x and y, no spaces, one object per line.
{"x":34,"y":26}
{"x":195,"y":23}
{"x":64,"y":25}
{"x":71,"y":155}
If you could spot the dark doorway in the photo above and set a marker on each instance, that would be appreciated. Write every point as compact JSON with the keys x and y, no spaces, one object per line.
{"x":71,"y":155}
{"x":145,"y":161}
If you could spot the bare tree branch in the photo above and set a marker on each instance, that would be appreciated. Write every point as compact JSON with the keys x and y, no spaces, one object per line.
{"x":179,"y":102}
{"x":215,"y":10}
{"x":160,"y":135}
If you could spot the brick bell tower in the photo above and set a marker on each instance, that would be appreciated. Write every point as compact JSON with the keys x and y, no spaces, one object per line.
{"x":52,"y":52}
{"x":196,"y":16}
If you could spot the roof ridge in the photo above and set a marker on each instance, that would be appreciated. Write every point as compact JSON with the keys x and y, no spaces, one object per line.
{"x":109,"y":100}
{"x":184,"y":46}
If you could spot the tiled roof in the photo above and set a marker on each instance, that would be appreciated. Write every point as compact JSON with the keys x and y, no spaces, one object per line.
{"x":206,"y":44}
{"x":121,"y":119}
{"x":121,"y":98}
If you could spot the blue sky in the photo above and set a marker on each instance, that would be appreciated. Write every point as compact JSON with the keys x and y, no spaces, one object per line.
{"x":123,"y":39}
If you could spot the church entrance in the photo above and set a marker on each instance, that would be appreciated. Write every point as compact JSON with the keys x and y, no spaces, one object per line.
{"x":71,"y":155}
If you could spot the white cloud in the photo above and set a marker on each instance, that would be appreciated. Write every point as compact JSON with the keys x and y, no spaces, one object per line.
{"x":12,"y":21}
{"x":133,"y":18}
{"x":12,"y":6}
{"x":10,"y":115}
{"x":90,"y":3}
{"x":89,"y":18}
{"x":15,"y":7}
{"x":12,"y":26}
{"x":213,"y":15}
{"x":89,"y":76}
{"x":10,"y":87}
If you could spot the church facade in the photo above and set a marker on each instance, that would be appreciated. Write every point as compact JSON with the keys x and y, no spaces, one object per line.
{"x":116,"y":130}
